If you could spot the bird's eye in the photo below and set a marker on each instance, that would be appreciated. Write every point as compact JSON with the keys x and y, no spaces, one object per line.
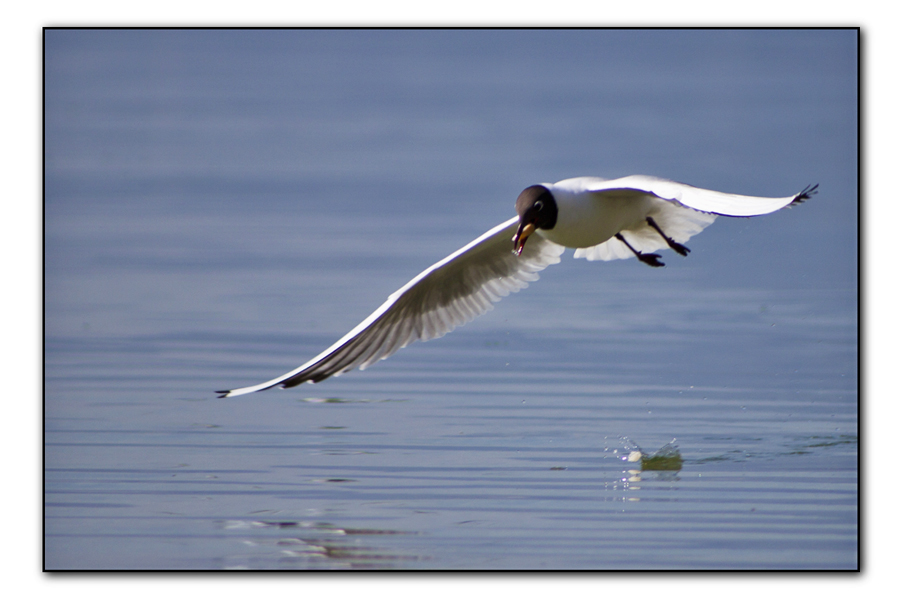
{"x":538,"y":205}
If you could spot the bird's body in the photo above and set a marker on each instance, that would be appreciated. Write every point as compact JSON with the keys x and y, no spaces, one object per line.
{"x":590,"y":218}
{"x":601,"y":219}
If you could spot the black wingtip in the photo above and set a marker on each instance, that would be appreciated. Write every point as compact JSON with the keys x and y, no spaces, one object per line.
{"x":806,"y":194}
{"x":223,"y":393}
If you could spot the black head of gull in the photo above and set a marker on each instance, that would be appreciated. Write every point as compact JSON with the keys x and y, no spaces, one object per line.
{"x":537,"y":209}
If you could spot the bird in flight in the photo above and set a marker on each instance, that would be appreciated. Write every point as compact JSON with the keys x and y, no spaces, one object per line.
{"x":602,"y":219}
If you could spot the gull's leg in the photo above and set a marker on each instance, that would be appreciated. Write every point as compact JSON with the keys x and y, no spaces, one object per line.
{"x":650,"y":259}
{"x":682,"y":250}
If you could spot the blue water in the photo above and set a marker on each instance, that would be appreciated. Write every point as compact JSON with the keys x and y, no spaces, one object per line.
{"x":222,"y":205}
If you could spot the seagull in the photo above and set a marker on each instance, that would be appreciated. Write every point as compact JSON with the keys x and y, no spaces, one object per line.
{"x":602,"y":219}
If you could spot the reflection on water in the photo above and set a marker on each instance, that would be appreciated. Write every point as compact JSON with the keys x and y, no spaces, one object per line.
{"x":313,"y":545}
{"x":342,"y":400}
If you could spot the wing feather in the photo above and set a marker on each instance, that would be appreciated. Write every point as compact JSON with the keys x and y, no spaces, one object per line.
{"x":680,"y":210}
{"x":709,"y":201}
{"x":444,"y":296}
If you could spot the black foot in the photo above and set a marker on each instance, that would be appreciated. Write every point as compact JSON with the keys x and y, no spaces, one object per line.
{"x":650,"y":259}
{"x":679,"y":248}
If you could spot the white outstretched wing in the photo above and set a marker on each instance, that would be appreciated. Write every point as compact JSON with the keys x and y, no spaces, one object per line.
{"x":708,"y":201}
{"x":444,"y":296}
{"x":680,"y":210}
